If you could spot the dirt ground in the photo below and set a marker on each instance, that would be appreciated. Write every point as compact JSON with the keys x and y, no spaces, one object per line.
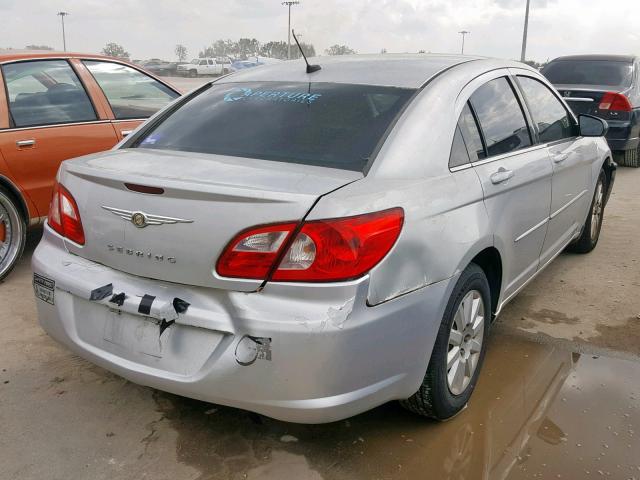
{"x":559,"y":396}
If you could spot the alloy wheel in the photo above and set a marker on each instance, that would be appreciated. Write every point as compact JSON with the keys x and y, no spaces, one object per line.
{"x":596,"y":211}
{"x":465,"y":342}
{"x":10,"y":236}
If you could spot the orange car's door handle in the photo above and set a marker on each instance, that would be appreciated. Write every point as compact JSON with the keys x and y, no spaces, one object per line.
{"x":26,"y":143}
{"x":125,"y":132}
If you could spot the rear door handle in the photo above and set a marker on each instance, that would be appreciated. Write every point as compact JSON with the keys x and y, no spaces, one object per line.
{"x":26,"y":143}
{"x":560,"y":157}
{"x":501,"y":176}
{"x":125,"y":132}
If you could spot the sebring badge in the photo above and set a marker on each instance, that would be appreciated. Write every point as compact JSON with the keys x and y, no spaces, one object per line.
{"x":141,"y":219}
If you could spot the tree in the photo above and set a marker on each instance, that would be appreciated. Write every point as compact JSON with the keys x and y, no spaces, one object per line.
{"x":279,"y":50}
{"x":181,"y":52}
{"x":114,"y":50}
{"x":339,"y":50}
{"x":38,"y":47}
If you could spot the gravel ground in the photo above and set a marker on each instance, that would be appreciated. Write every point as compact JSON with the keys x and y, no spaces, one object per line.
{"x":559,"y":396}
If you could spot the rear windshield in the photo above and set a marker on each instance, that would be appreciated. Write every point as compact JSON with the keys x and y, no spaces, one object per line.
{"x":323,"y":124}
{"x":589,"y":72}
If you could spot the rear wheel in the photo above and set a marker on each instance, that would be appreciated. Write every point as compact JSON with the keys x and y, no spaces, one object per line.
{"x":629,"y":158}
{"x":593,"y":224}
{"x":13,"y":231}
{"x":459,"y":350}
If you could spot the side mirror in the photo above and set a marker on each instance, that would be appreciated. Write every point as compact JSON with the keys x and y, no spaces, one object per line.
{"x":591,"y":126}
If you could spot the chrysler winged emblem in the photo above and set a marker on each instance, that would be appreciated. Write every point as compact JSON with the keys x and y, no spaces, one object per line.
{"x":142,"y":219}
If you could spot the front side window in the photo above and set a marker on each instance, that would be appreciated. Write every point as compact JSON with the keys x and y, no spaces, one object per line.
{"x":553,"y":120}
{"x":323,"y":124}
{"x":501,"y":119}
{"x":46,"y":92}
{"x":131,"y":93}
{"x":210,"y":62}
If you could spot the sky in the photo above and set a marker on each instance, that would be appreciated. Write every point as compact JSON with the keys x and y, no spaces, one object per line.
{"x":152,"y":28}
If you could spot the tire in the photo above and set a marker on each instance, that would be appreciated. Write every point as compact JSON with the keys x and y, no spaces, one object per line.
{"x":628,"y":158}
{"x":193,"y":73}
{"x":440,"y":396}
{"x":591,"y":231}
{"x":13,"y":233}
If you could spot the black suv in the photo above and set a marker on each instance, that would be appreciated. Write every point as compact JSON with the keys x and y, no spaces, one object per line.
{"x":608,"y":87}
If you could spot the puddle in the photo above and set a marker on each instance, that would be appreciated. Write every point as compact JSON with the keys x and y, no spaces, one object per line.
{"x":538,"y":412}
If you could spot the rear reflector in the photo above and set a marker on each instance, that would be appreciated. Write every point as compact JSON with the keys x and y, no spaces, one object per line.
{"x":616,"y":102}
{"x":64,"y":216}
{"x":330,"y":250}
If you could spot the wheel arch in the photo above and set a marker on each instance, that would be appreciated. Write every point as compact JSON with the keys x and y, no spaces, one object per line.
{"x":490,"y":261}
{"x":15,"y":193}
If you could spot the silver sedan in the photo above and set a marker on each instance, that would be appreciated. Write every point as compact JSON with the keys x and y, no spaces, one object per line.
{"x":311,"y":245}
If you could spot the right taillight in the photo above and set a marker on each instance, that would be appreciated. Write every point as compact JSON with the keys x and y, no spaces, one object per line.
{"x":615,"y":102}
{"x":329,"y":250}
{"x":64,"y":215}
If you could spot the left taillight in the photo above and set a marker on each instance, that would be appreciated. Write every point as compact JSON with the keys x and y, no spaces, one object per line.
{"x":64,"y":216}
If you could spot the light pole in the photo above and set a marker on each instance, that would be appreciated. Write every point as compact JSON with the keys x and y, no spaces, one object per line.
{"x":288,"y":3}
{"x":463,"y":33}
{"x":524,"y":34}
{"x":64,"y":39}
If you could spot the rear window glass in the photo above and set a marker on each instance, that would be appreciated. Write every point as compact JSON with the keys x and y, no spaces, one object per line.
{"x":323,"y":124}
{"x":589,"y":72}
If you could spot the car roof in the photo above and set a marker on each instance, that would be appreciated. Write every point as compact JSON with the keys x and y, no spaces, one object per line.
{"x":10,"y":56}
{"x":611,"y":58}
{"x":396,"y":70}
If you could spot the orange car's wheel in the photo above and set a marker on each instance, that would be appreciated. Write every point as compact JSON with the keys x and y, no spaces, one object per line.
{"x":13,"y":233}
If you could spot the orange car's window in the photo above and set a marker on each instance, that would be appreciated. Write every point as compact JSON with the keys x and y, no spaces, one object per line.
{"x":131,"y":93}
{"x":46,"y":92}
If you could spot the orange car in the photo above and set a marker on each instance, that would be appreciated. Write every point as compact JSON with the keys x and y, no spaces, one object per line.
{"x":55,"y":106}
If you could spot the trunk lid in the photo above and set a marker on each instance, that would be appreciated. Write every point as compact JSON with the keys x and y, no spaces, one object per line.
{"x":207,"y":200}
{"x":585,"y":99}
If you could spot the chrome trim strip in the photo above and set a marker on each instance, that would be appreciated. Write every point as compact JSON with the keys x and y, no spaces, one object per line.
{"x":459,"y":168}
{"x":578,"y":99}
{"x":566,"y":205}
{"x":532,"y":229}
{"x":37,"y":127}
{"x":532,"y":148}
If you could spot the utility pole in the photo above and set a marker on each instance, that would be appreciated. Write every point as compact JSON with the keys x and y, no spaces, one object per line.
{"x":64,"y":39}
{"x":523,"y":55}
{"x":288,"y":3}
{"x":463,"y":33}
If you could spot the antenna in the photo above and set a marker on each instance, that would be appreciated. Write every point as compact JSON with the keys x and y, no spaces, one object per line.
{"x":310,"y":68}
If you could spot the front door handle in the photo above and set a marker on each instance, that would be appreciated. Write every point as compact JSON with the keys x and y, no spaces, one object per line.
{"x":26,"y":143}
{"x":125,"y":132}
{"x":501,"y":176}
{"x":560,"y":157}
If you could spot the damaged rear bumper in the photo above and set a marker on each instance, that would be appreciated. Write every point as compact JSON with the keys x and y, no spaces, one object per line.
{"x":295,"y":352}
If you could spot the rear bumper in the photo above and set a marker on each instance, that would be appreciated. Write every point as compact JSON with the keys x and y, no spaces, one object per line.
{"x":624,"y":135}
{"x":314,"y":354}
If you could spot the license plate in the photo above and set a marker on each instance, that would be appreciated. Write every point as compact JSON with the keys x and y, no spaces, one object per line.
{"x":44,"y":288}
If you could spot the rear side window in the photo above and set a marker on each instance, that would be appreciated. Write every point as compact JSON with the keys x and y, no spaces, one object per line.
{"x":323,"y":124}
{"x":459,"y":155}
{"x":552,"y":119}
{"x":501,"y":119}
{"x":589,"y":72}
{"x":46,"y":92}
{"x":471,"y":134}
{"x":131,"y":93}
